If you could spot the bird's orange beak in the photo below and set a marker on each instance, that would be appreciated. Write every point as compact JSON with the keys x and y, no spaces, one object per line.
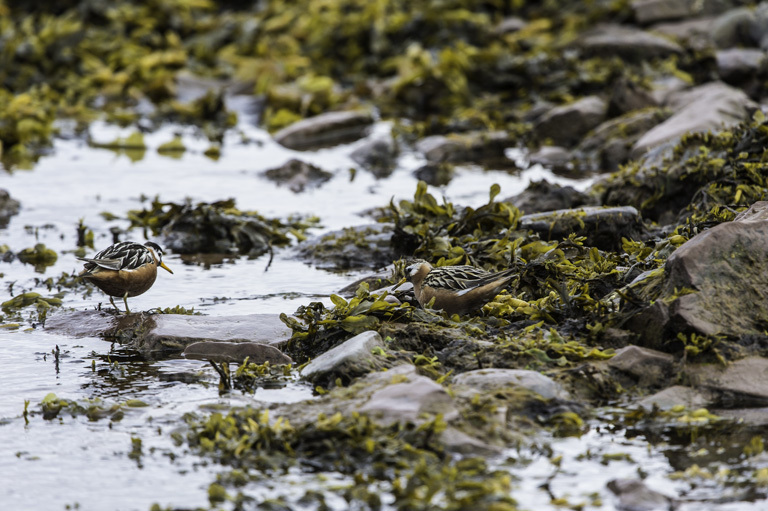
{"x":163,"y":266}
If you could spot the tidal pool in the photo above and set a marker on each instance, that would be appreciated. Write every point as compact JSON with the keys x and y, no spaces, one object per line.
{"x":132,"y":463}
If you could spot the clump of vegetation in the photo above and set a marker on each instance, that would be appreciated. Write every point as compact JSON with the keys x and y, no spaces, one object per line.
{"x":217,"y":227}
{"x":39,"y":256}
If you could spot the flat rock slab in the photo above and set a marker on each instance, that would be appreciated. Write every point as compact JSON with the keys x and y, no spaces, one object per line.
{"x":627,"y":42}
{"x":153,"y":334}
{"x":348,"y":360}
{"x":237,"y":352}
{"x":744,"y":381}
{"x":675,"y":396}
{"x":488,"y":379}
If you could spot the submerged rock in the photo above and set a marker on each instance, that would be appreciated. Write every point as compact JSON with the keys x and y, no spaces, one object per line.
{"x":603,"y":227}
{"x":489,"y":379}
{"x":435,"y":174}
{"x":236,"y":352}
{"x":347,"y":361}
{"x":567,"y":124}
{"x":325,"y":129}
{"x":298,"y":175}
{"x":166,"y":334}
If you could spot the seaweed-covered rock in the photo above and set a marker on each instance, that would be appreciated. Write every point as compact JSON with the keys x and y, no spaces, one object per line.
{"x":626,"y":42}
{"x":353,"y":358}
{"x":217,"y":227}
{"x":8,"y":207}
{"x":325,"y":129}
{"x":378,"y":155}
{"x":603,"y":227}
{"x":298,"y":175}
{"x":362,"y":246}
{"x":610,"y":144}
{"x":545,"y":196}
{"x":435,"y":174}
{"x":465,"y":146}
{"x":237,"y":352}
{"x":490,"y":379}
{"x":566,"y":124}
{"x":712,"y":106}
{"x":714,"y":283}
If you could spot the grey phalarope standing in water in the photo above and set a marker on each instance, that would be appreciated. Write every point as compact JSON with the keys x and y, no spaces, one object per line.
{"x":124,"y":269}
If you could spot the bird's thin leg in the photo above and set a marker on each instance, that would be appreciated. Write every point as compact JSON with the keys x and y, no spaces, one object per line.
{"x":125,"y":299}
{"x":113,"y":304}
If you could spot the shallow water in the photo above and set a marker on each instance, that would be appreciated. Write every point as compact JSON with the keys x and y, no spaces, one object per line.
{"x":93,"y":465}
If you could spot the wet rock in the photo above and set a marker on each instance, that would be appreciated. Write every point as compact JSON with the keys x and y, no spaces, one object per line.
{"x":566,"y":124}
{"x":627,"y":96}
{"x":626,"y":42}
{"x":236,"y":352}
{"x":652,"y":11}
{"x":87,"y":323}
{"x":603,"y":227}
{"x":410,"y":400}
{"x":359,"y":247}
{"x":675,"y":396}
{"x":489,"y":379}
{"x":634,"y":495}
{"x":738,"y":27}
{"x":741,"y":383}
{"x":509,"y":25}
{"x":298,"y":175}
{"x":347,"y":361}
{"x":435,"y":174}
{"x":465,"y":146}
{"x":756,"y":417}
{"x":709,"y":107}
{"x":737,"y":65}
{"x":165,"y":334}
{"x":545,"y":196}
{"x":325,"y":129}
{"x":8,"y":207}
{"x":461,"y":443}
{"x":695,"y":34}
{"x":650,"y":367}
{"x":610,"y":144}
{"x":554,"y":157}
{"x":379,"y":156}
{"x":208,"y":228}
{"x":725,"y":268}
